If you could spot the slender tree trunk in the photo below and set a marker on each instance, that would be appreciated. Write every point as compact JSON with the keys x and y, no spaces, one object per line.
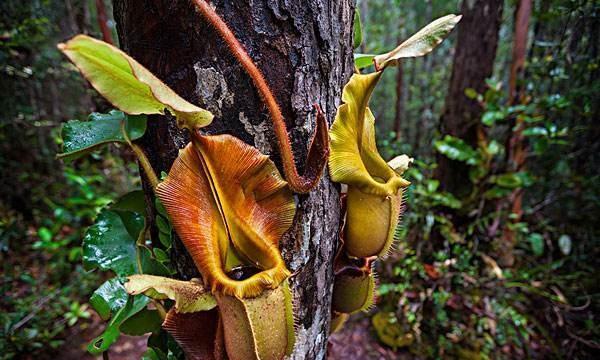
{"x":304,"y":49}
{"x":473,"y":63}
{"x":516,"y":148}
{"x":103,"y":22}
{"x":364,"y":13}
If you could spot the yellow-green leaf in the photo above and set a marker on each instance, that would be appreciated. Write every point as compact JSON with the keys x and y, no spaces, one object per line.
{"x":420,"y":43}
{"x":127,"y":84}
{"x":189,"y":296}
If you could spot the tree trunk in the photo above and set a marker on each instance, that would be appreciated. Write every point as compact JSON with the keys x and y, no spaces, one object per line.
{"x":399,"y":107}
{"x":304,"y":49}
{"x":516,"y":148}
{"x":473,"y":63}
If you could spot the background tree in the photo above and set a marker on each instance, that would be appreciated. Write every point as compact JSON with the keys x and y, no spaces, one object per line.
{"x":304,"y":50}
{"x":476,"y":45}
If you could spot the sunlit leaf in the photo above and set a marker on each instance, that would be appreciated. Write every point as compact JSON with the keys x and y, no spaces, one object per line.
{"x":128,"y":85}
{"x":456,"y":149}
{"x":109,"y":298}
{"x":189,"y":296}
{"x":420,"y":43}
{"x":229,"y":211}
{"x":489,"y":118}
{"x":81,"y":137}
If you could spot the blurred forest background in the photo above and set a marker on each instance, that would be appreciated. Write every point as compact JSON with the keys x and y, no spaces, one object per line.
{"x":499,"y":244}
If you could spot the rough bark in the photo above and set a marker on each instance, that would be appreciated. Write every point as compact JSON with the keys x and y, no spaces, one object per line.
{"x":304,"y":50}
{"x":473,"y":63}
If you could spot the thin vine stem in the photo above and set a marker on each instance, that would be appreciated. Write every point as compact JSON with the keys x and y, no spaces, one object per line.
{"x":142,"y":158}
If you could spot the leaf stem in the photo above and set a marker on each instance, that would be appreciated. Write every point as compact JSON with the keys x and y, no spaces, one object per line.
{"x":314,"y":168}
{"x":142,"y":158}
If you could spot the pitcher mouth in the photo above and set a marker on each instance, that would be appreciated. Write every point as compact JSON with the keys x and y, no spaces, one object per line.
{"x":243,"y":272}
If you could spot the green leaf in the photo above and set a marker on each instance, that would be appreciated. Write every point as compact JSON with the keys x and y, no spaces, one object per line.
{"x":110,"y":244}
{"x":565,"y":244}
{"x":165,"y":239}
{"x":456,"y":149}
{"x":357,"y":29}
{"x":128,"y":85}
{"x":471,"y":93}
{"x":112,"y":331}
{"x":132,"y":201}
{"x":161,"y":255}
{"x":420,"y":43}
{"x":81,"y":137}
{"x":489,"y":118}
{"x":496,"y":192}
{"x":153,"y":354}
{"x":163,"y":225}
{"x":535,"y":131}
{"x":44,"y":234}
{"x":537,"y":243}
{"x":362,"y":61}
{"x":160,"y":208}
{"x":109,"y":298}
{"x":189,"y":296}
{"x":144,"y":322}
{"x":509,"y":180}
{"x":150,"y":265}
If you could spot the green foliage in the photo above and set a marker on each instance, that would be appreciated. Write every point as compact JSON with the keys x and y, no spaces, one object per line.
{"x":447,"y":286}
{"x":82,"y":137}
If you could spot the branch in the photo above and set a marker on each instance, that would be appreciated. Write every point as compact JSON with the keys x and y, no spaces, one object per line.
{"x":319,"y":147}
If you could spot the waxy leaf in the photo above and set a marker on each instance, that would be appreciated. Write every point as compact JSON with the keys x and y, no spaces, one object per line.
{"x":109,"y":298}
{"x":230,"y":206}
{"x":112,"y":331}
{"x":128,"y":85}
{"x":112,"y":243}
{"x":420,"y":43}
{"x":81,"y":137}
{"x":144,"y":322}
{"x":189,"y":296}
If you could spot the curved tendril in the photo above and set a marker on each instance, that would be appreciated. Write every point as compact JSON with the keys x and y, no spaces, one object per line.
{"x":319,"y":147}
